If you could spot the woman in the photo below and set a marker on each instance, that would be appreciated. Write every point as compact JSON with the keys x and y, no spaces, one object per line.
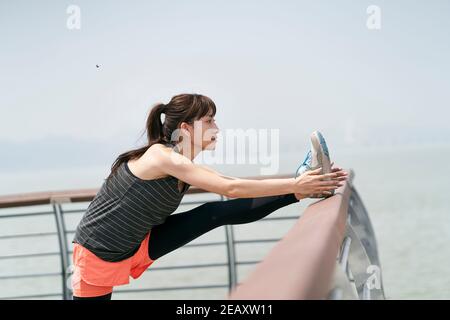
{"x":128,"y":225}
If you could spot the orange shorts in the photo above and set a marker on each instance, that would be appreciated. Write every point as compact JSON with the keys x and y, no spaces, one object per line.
{"x":93,"y":276}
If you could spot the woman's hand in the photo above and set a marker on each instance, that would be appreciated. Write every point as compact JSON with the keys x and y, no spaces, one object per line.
{"x":312,"y":182}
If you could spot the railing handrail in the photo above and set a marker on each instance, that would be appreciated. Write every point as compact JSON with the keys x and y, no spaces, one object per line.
{"x":301,"y":265}
{"x":83,"y":195}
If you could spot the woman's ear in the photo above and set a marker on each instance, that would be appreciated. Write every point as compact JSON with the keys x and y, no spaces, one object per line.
{"x":185,"y":126}
{"x":185,"y":129}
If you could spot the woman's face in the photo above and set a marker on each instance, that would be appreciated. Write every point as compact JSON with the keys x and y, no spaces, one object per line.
{"x":210,"y":132}
{"x":203,"y":132}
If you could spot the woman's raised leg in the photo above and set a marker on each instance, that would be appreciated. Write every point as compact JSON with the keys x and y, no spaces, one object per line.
{"x":183,"y":227}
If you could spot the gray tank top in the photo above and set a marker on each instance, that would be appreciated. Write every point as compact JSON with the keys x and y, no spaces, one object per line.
{"x":123,"y":212}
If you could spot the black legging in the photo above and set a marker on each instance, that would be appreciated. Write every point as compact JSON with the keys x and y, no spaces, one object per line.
{"x":105,"y":297}
{"x":181,"y":228}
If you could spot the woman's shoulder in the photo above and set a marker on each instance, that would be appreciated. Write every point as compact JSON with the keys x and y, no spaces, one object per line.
{"x":147,"y":167}
{"x":164,"y":154}
{"x":158,"y":149}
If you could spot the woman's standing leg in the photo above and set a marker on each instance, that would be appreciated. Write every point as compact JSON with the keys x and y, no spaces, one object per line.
{"x":104,"y":297}
{"x":85,"y":291}
{"x":183,"y":227}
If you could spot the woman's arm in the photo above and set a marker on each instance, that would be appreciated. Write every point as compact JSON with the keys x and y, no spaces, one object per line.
{"x":179,"y":166}
{"x":216,"y":172}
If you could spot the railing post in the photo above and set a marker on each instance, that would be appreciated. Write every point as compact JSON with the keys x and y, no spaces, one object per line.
{"x":61,"y":229}
{"x":231,"y":255}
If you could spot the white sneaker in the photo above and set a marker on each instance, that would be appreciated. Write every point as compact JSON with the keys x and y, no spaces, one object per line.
{"x":317,"y":156}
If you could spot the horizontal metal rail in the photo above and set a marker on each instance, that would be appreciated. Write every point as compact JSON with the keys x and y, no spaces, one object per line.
{"x":32,"y":275}
{"x":33,"y":296}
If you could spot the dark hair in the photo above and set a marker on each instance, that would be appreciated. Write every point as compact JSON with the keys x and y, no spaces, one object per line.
{"x":181,"y":108}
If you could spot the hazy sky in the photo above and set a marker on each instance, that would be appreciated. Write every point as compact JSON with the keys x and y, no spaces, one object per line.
{"x":293,"y":65}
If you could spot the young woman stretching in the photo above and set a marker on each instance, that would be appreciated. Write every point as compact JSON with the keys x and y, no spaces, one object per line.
{"x":128,"y":224}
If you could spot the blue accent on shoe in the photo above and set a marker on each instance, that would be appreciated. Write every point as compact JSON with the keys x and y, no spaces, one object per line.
{"x":305,"y":166}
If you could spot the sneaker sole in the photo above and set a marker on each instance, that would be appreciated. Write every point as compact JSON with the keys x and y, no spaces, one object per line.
{"x":323,"y":156}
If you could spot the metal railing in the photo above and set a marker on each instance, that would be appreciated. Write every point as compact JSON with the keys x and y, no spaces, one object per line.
{"x":358,"y":249}
{"x":55,"y":201}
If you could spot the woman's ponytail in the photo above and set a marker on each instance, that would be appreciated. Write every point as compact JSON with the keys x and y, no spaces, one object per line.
{"x":155,"y":131}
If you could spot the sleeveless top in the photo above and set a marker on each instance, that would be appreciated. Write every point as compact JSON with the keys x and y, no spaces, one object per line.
{"x":123,"y":212}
